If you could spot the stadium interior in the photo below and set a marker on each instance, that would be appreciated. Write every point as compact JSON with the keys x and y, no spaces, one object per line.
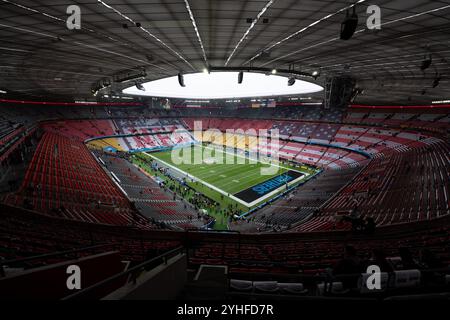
{"x":354,"y":130}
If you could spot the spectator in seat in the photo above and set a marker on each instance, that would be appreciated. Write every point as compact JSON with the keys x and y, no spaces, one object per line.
{"x":428,"y":260}
{"x":379,"y":259}
{"x":370,"y":225}
{"x":349,"y":265}
{"x":408,"y":261}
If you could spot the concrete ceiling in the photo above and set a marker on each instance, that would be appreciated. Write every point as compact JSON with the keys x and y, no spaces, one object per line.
{"x":39,"y":55}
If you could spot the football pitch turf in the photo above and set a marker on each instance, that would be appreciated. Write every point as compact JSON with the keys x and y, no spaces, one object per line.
{"x":236,"y":177}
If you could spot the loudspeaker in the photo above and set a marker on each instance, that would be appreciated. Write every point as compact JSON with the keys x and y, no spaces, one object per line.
{"x":181,"y":80}
{"x":240,"y":77}
{"x":426,"y":63}
{"x":349,"y":25}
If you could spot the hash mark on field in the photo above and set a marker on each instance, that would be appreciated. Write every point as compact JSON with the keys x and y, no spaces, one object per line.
{"x":237,"y":181}
{"x":223,"y":176}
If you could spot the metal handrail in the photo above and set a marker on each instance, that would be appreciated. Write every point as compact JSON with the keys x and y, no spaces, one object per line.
{"x":52,"y":255}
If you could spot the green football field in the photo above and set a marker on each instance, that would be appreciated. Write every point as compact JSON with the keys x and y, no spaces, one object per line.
{"x":235,"y":175}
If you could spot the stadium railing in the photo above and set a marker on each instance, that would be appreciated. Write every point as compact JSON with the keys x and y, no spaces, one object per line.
{"x":24,"y":262}
{"x":102,"y":288}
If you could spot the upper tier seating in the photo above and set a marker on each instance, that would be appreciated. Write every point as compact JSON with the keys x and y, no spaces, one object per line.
{"x":430,"y":120}
{"x":147,"y":126}
{"x":139,"y":142}
{"x":324,"y":157}
{"x":227,"y":124}
{"x":309,"y":113}
{"x":82,"y":129}
{"x":377,"y":140}
{"x":310,"y":132}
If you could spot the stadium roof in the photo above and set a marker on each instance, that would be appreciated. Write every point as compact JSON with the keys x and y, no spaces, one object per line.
{"x":40,"y":56}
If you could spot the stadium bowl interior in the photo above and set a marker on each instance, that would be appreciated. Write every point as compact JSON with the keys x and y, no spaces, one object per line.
{"x":241,"y":150}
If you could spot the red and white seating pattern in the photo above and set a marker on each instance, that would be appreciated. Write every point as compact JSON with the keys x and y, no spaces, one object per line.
{"x":81,"y":129}
{"x":436,"y":120}
{"x":407,"y":187}
{"x":65,"y":180}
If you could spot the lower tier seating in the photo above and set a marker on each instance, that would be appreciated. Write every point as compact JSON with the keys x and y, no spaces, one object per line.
{"x":64,"y":180}
{"x":25,"y":233}
{"x":153,"y":201}
{"x":398,"y":188}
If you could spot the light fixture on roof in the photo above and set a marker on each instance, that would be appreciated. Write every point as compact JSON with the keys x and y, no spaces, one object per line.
{"x":291,"y":81}
{"x":348,"y":27}
{"x":241,"y":77}
{"x":3,"y":91}
{"x":274,"y":71}
{"x":205,"y":70}
{"x":426,"y":63}
{"x":316,"y":74}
